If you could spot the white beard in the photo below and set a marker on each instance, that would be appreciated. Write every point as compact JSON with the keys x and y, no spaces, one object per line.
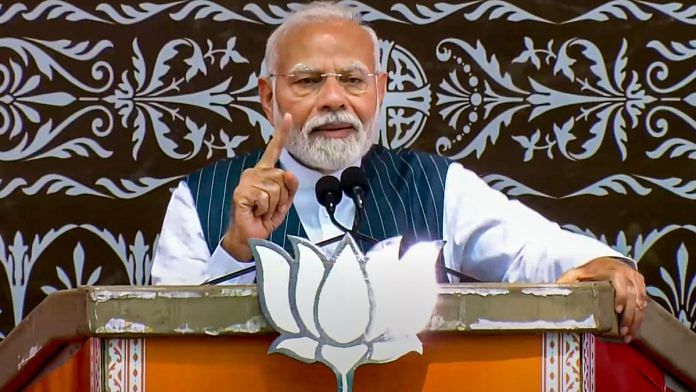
{"x":329,"y":154}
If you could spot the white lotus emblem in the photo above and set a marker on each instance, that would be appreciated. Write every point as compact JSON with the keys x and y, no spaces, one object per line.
{"x":346,"y":309}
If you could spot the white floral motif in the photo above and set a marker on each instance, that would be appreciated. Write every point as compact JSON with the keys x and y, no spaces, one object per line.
{"x":610,"y":100}
{"x":136,"y":257}
{"x":139,"y":100}
{"x":407,"y":101}
{"x":19,"y":258}
{"x":681,"y":300}
{"x":78,"y":264}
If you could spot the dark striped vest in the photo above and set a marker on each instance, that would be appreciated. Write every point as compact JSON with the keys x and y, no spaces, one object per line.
{"x":406,"y":197}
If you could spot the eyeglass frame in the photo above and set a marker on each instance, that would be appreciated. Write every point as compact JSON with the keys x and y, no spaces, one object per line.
{"x":325,"y":75}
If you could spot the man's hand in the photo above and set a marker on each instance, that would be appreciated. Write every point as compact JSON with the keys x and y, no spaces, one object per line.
{"x":629,"y":286}
{"x":262,"y":198}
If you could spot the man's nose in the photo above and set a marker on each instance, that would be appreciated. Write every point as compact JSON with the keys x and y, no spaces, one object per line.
{"x":331,"y":96}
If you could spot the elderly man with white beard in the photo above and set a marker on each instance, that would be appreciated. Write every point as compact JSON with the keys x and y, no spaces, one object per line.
{"x":323,"y":93}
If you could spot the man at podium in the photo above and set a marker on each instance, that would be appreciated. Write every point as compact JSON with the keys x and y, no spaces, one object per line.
{"x":323,"y":92}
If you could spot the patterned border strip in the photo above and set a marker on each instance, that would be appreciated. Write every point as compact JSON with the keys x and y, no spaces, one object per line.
{"x":400,"y":13}
{"x":549,"y":368}
{"x":561,"y":362}
{"x":572,"y":358}
{"x":125,"y":365}
{"x":588,"y":362}
{"x":95,"y":365}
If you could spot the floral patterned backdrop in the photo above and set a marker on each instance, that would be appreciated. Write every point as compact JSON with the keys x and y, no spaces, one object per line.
{"x":584,"y":110}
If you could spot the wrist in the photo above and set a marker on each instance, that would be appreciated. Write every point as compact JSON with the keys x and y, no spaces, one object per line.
{"x":236,"y":247}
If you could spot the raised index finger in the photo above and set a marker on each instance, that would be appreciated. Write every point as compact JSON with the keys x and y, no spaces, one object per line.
{"x":275,"y":145}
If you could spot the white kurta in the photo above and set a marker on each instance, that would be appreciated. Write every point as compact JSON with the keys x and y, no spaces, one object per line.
{"x":489,"y":237}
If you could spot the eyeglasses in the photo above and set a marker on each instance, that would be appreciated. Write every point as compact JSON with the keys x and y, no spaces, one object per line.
{"x":304,"y":83}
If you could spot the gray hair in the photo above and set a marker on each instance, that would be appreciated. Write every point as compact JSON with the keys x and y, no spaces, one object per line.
{"x":318,"y":11}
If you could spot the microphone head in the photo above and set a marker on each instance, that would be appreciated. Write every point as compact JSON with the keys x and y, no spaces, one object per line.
{"x":354,"y":178}
{"x":328,"y":191}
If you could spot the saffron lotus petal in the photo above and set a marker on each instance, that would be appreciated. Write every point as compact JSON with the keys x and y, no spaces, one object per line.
{"x":344,"y":303}
{"x":274,"y":271}
{"x":303,"y":348}
{"x":310,"y":272}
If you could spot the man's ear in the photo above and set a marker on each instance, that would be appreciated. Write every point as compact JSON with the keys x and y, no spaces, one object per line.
{"x":266,"y":97}
{"x":381,"y":87}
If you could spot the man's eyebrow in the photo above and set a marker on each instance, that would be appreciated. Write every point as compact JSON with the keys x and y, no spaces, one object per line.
{"x":302,"y":68}
{"x":356,"y":66}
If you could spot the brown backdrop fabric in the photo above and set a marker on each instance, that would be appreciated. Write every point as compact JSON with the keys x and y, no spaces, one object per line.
{"x":584,"y":110}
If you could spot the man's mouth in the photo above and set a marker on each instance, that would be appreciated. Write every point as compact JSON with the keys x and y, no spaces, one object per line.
{"x":337,"y":129}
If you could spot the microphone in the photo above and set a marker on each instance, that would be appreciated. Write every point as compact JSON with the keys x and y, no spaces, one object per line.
{"x":328,"y":191}
{"x":329,"y":194}
{"x":354,"y":184}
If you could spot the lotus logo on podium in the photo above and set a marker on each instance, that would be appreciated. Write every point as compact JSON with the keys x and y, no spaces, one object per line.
{"x":345,"y":309}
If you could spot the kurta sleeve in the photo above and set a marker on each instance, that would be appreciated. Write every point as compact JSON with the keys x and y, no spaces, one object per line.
{"x":493,"y":238}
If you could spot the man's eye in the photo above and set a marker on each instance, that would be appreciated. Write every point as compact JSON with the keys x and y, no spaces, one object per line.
{"x":354,"y":80}
{"x":308,"y":80}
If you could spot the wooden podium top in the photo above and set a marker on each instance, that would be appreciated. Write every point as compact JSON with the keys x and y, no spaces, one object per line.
{"x":127,"y":311}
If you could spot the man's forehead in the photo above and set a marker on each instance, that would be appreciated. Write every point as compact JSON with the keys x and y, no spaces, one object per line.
{"x":326,"y":44}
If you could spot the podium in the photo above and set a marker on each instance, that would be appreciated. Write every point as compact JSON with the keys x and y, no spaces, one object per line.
{"x":482,"y":337}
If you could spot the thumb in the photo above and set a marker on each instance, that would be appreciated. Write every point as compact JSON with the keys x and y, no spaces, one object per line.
{"x":570,"y":276}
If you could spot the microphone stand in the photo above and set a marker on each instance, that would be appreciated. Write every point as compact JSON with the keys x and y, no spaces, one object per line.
{"x":352,"y":232}
{"x":252,"y":268}
{"x":462,"y":277}
{"x":357,"y":219}
{"x":229,"y":276}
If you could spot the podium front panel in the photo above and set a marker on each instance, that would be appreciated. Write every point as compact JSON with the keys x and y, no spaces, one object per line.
{"x":481,"y":337}
{"x":546,"y":362}
{"x":450,"y":361}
